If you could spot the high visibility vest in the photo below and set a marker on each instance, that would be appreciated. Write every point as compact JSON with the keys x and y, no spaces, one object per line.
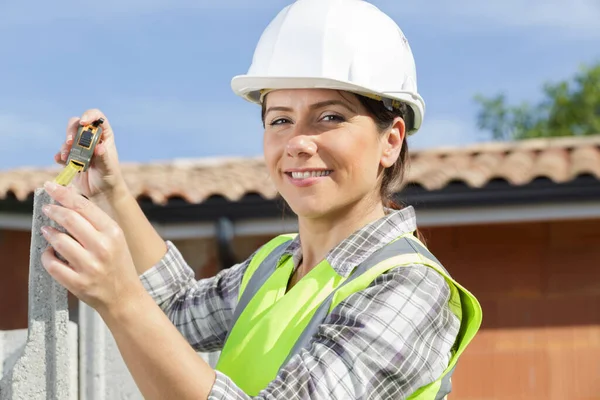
{"x":270,"y":326}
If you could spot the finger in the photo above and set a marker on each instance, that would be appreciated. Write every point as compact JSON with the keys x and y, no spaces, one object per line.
{"x":69,"y":249}
{"x":64,"y":152}
{"x":100,"y":149}
{"x":58,"y":159}
{"x":75,"y":224}
{"x":61,"y":272}
{"x":93,"y":115}
{"x":82,"y":206}
{"x":72,"y":127}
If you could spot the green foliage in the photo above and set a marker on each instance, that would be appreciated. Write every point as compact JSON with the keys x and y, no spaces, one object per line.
{"x":567,"y":109}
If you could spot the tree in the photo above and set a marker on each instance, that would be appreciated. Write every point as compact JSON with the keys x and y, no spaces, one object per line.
{"x":567,"y":109}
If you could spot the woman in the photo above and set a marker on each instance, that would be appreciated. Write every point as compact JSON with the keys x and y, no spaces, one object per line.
{"x":354,"y":306}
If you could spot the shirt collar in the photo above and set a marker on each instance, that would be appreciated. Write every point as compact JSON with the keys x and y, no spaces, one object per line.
{"x":361,"y":244}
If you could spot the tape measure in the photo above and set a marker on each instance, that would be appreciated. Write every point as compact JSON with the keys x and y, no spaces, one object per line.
{"x":81,"y":152}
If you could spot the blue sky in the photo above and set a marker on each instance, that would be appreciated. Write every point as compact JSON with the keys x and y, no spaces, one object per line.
{"x":161,"y":69}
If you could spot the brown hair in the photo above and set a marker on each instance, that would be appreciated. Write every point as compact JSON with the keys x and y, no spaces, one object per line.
{"x":392,"y":176}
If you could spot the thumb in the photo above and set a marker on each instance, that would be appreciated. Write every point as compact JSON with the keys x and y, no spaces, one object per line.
{"x":105,"y":155}
{"x":100,"y":150}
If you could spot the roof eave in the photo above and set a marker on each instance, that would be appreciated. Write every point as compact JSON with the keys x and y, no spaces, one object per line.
{"x":453,"y":196}
{"x":501,"y":192}
{"x":495,"y":193}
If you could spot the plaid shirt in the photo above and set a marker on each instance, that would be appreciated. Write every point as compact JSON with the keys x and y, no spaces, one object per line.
{"x":383,"y":342}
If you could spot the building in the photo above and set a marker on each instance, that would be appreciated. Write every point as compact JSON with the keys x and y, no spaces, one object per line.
{"x":517,"y":223}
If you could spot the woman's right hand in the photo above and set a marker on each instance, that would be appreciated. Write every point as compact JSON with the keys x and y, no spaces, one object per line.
{"x":104,"y":174}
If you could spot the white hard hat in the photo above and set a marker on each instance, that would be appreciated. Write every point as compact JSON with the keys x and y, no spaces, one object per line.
{"x":334,"y":44}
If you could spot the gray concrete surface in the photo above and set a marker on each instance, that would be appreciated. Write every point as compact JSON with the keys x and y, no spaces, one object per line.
{"x":103,"y":373}
{"x":57,"y":359}
{"x":11,"y":347}
{"x":41,"y":369}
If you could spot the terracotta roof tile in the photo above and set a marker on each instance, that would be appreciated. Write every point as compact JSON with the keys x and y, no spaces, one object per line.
{"x":516,"y":167}
{"x":195,"y":180}
{"x":585,"y":160}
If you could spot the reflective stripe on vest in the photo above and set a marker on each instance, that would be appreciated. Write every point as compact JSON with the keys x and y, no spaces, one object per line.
{"x":258,"y":345}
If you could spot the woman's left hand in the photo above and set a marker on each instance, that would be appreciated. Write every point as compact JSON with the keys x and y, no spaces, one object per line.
{"x":100,"y":269}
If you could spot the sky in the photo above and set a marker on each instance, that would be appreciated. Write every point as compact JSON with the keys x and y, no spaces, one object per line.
{"x":160,"y":70}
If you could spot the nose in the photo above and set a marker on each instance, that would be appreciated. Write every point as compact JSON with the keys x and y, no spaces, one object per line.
{"x":301,"y":145}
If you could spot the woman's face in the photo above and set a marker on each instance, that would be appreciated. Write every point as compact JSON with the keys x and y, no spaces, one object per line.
{"x":324,"y":152}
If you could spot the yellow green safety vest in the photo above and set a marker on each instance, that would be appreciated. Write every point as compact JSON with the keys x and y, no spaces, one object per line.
{"x":270,"y":326}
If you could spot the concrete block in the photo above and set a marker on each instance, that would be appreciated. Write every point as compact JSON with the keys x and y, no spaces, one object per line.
{"x":42,"y":369}
{"x":73,"y":361}
{"x":11,"y":346}
{"x":103,"y":373}
{"x":102,"y":370}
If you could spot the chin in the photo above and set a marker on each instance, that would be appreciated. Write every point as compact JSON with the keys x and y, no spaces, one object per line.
{"x":310,"y":208}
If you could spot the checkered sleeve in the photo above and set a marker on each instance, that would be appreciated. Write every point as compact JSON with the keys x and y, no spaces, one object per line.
{"x":383,"y":342}
{"x":201,"y":310}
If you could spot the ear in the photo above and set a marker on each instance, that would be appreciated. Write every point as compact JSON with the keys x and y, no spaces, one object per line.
{"x":392,"y":143}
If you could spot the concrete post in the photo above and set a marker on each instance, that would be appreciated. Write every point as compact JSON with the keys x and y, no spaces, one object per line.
{"x":102,"y":370}
{"x":11,"y":346}
{"x":42,"y":370}
{"x":55,"y":359}
{"x":103,"y":373}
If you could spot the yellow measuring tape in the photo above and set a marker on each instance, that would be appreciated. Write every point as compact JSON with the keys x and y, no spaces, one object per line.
{"x":67,"y":174}
{"x":81,"y":153}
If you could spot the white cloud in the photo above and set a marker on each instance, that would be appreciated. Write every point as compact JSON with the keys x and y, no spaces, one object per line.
{"x":575,"y":19}
{"x":146,"y":129}
{"x":445,"y":131}
{"x":19,"y":132}
{"x":23,"y":13}
{"x":174,"y":114}
{"x":172,"y":127}
{"x":26,"y":141}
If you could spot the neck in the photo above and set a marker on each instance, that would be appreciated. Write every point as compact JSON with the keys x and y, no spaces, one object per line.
{"x":320,"y":235}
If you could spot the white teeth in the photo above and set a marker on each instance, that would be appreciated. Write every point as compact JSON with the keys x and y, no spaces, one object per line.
{"x":311,"y":174}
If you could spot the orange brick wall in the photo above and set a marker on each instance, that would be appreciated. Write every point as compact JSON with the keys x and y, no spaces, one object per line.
{"x":539,"y":285}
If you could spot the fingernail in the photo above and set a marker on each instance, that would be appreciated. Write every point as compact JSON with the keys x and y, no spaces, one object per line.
{"x":46,"y":209}
{"x":50,"y":186}
{"x":69,"y":139}
{"x":45,"y":231}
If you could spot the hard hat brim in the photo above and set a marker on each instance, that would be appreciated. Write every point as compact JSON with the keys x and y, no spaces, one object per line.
{"x":250,"y":87}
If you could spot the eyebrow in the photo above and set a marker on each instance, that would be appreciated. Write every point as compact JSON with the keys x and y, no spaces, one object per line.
{"x":314,"y":106}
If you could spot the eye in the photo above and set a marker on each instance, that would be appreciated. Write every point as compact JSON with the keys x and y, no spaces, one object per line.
{"x":279,"y":121}
{"x":333,"y":118}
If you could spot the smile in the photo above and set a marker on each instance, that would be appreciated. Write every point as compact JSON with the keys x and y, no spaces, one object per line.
{"x":308,"y":174}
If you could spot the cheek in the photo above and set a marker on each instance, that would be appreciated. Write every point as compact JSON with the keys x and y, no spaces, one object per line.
{"x":272,"y":151}
{"x":359,"y":152}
